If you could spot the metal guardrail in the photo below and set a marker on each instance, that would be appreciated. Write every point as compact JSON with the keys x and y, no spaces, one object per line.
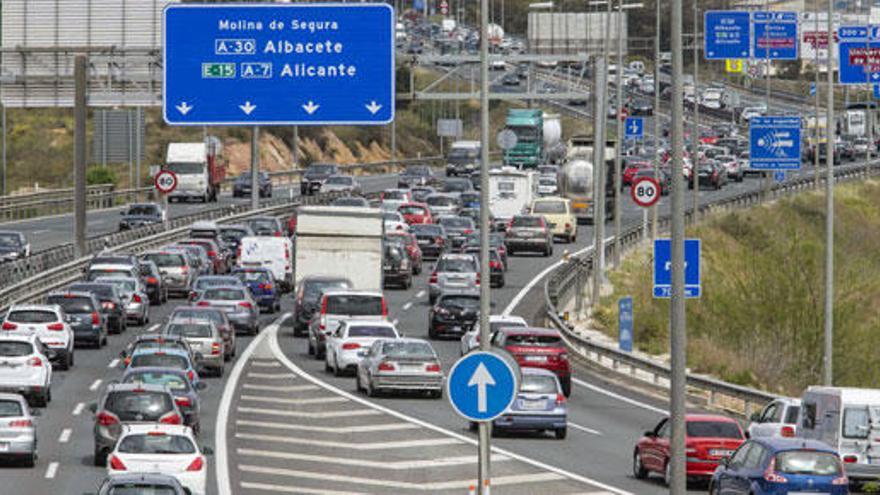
{"x":55,"y":201}
{"x":564,"y":282}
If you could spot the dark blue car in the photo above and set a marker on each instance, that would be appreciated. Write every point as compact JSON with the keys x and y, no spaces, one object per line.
{"x":776,"y":466}
{"x":262,"y":285}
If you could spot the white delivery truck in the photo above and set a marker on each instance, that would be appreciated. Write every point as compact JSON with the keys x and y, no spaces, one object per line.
{"x":340,"y":241}
{"x":274,"y":253}
{"x":510,"y":191}
{"x":199,"y":169}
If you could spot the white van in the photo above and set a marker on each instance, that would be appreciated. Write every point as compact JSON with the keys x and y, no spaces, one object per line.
{"x":274,"y":253}
{"x":511,"y":191}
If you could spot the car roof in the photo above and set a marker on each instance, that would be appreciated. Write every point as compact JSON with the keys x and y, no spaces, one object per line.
{"x":34,"y":307}
{"x":153,"y":350}
{"x":527,"y":370}
{"x":530,"y":331}
{"x":140,"y":429}
{"x":127,"y":387}
{"x":353,"y":292}
{"x":369,"y":323}
{"x":778,"y":444}
{"x":715,"y":418}
{"x":19,"y":338}
{"x":203,"y":224}
{"x":71,"y":294}
{"x":506,"y":319}
{"x":108,"y":266}
{"x":324,"y":278}
{"x":215,"y":287}
{"x":153,"y":369}
{"x":15,"y":397}
{"x":151,"y":478}
{"x":152,"y":337}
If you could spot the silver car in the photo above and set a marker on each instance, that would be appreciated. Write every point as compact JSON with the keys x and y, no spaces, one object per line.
{"x":400,"y":365}
{"x":18,"y":429}
{"x":341,"y":184}
{"x":442,"y":204}
{"x":456,"y":273}
{"x":134,"y":297}
{"x":204,"y":338}
{"x":236,"y":301}
{"x":177,"y":275}
{"x":206,"y":281}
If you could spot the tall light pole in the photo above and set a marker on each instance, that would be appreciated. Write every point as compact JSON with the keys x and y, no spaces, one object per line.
{"x":827,"y":364}
{"x":695,"y":138}
{"x":656,"y":114}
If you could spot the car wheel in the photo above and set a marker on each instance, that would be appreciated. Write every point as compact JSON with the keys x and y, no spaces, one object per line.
{"x":501,"y":283}
{"x":357,"y":381}
{"x":64,"y":364}
{"x":639,"y":470}
{"x":311,"y":348}
{"x":371,"y":392}
{"x":30,"y":460}
{"x":561,"y":433}
{"x":714,"y":490}
{"x":218,"y":371}
{"x":566,"y":386}
{"x":337,"y":371}
{"x":255,"y":329}
{"x":667,"y":473}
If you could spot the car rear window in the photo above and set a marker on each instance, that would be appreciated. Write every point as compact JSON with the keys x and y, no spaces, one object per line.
{"x":15,"y":349}
{"x":124,"y":285}
{"x":32,"y":316}
{"x":354,"y":305}
{"x":130,"y":405}
{"x":156,"y":443}
{"x":155,"y":360}
{"x":103,"y":291}
{"x":427,"y":229}
{"x":369,"y":331}
{"x":457,"y":222}
{"x":155,"y":344}
{"x":170,"y":380}
{"x":10,"y":409}
{"x":394,"y":195}
{"x":440,"y":201}
{"x":408,"y":350}
{"x":165,"y":260}
{"x":190,"y":330}
{"x":534,"y":340}
{"x":142,"y":488}
{"x":497,"y":325}
{"x":713,"y":429}
{"x":461,"y":302}
{"x":224,"y":294}
{"x":550,"y":207}
{"x":203,"y":282}
{"x":72,"y":305}
{"x":411,"y":210}
{"x":537,"y":384}
{"x":809,"y":463}
{"x":456,"y":265}
{"x":264,"y":223}
{"x":149,"y":210}
{"x":456,"y":186}
{"x":215,"y":315}
{"x":105,"y":273}
{"x":313,"y":289}
{"x":526,"y":222}
{"x":253,"y":276}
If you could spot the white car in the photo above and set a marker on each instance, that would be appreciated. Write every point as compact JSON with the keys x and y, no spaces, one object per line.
{"x":350,"y":337}
{"x":134,"y":297}
{"x":749,"y":112}
{"x":779,"y":418}
{"x":25,"y":368}
{"x":164,"y":449}
{"x":733,"y":167}
{"x":394,"y":222}
{"x":48,"y":323}
{"x":471,"y":339}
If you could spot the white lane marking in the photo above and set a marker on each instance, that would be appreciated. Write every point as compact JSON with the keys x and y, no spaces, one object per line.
{"x":395,"y":322}
{"x":41,"y":231}
{"x":311,"y":415}
{"x":392,"y":465}
{"x":152,"y":328}
{"x":364,"y":446}
{"x":95,"y":384}
{"x":64,"y":437}
{"x":266,"y":364}
{"x":327,"y":429}
{"x":420,"y":294}
{"x":525,"y":290}
{"x":114,"y":363}
{"x":78,"y":409}
{"x":52,"y":470}
{"x":276,"y":349}
{"x":584,"y":429}
{"x":279,"y":388}
{"x":271,"y":376}
{"x":407,"y":306}
{"x":224,"y":487}
{"x":284,"y":400}
{"x":619,"y":397}
{"x":422,"y":487}
{"x":293,"y":489}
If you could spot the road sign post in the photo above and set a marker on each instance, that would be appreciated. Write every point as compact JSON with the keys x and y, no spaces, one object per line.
{"x":634,"y":128}
{"x":292,"y":64}
{"x":646,"y":192}
{"x":775,"y":35}
{"x":728,"y":34}
{"x":625,"y":322}
{"x":775,"y":143}
{"x":663,"y":271}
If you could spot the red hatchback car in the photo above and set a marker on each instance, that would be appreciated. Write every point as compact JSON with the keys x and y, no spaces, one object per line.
{"x":537,"y":348}
{"x":709,"y":438}
{"x":415,"y":213}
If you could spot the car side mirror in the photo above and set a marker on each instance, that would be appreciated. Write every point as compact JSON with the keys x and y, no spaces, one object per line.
{"x":36,"y":412}
{"x":207,"y":451}
{"x":201,"y":386}
{"x":93,"y":407}
{"x":650,"y":434}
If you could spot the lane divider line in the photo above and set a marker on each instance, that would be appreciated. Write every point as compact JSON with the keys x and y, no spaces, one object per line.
{"x":114,"y":363}
{"x":95,"y":384}
{"x":407,"y":306}
{"x":311,"y":415}
{"x":52,"y":470}
{"x":249,"y":486}
{"x":389,"y":465}
{"x":65,"y":435}
{"x":584,"y":429}
{"x":78,"y":409}
{"x":420,"y":294}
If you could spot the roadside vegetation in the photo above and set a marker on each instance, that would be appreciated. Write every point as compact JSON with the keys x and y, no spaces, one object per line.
{"x":760,"y":319}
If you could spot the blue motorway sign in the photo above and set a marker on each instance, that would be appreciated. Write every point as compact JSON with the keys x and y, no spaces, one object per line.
{"x":625,"y":320}
{"x":481,"y":386}
{"x":270,"y":64}
{"x":663,"y":268}
{"x":859,"y":51}
{"x":634,"y":128}
{"x":775,"y":35}
{"x":775,"y":143}
{"x":728,"y":34}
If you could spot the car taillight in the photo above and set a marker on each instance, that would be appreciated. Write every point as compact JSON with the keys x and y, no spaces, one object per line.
{"x":106,"y":419}
{"x":478,"y":278}
{"x":171,"y":418}
{"x":184,"y":269}
{"x":386,"y":366}
{"x":286,"y":254}
{"x":350,"y":345}
{"x":96,"y":318}
{"x":494,"y":264}
{"x":212,"y":254}
{"x":116,"y":464}
{"x":152,"y":280}
{"x":57,"y":327}
{"x":433,"y":279}
{"x":384,"y":308}
{"x":215,"y":348}
{"x":183,"y":401}
{"x":432,"y":368}
{"x":850,"y":459}
{"x":9,"y":326}
{"x":196,"y":465}
{"x":35,"y":361}
{"x":245,"y":304}
{"x":771,"y":475}
{"x":277,"y":233}
{"x":560,"y":399}
{"x":468,"y":231}
{"x":238,"y":252}
{"x":108,"y":305}
{"x":203,"y":303}
{"x":787,"y":431}
{"x":136,"y":298}
{"x":568,"y":226}
{"x":21,"y":423}
{"x":192,"y":295}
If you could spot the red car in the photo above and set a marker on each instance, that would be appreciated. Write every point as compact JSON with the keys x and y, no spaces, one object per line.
{"x":709,"y":438}
{"x":409,"y":242}
{"x":537,"y":348}
{"x":631,"y":169}
{"x":218,"y":260}
{"x":415,"y":213}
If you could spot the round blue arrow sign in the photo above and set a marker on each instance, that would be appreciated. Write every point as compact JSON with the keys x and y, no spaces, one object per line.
{"x":481,"y":386}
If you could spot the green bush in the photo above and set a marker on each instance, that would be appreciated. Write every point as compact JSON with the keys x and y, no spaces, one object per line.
{"x":100,"y":175}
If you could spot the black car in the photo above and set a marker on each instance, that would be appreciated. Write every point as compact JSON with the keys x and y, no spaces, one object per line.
{"x":315,"y":175}
{"x":660,"y":175}
{"x":711,"y":174}
{"x":111,"y":303}
{"x":457,"y":228}
{"x":453,"y":314}
{"x":84,"y":316}
{"x":396,"y":267}
{"x":496,"y":242}
{"x":140,"y":215}
{"x":510,"y":79}
{"x":456,"y":185}
{"x":431,"y":238}
{"x":152,"y":278}
{"x":496,"y":265}
{"x":265,"y":226}
{"x":231,"y":235}
{"x":641,"y":107}
{"x":242,"y":185}
{"x":416,"y":175}
{"x":13,"y":246}
{"x":308,"y":295}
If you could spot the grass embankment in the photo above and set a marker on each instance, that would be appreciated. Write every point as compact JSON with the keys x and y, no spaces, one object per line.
{"x":760,"y":319}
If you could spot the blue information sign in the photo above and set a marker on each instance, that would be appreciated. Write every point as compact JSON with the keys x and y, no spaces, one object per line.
{"x":481,"y":386}
{"x":625,"y":319}
{"x":775,"y":143}
{"x":634,"y":128}
{"x":728,"y":34}
{"x":779,"y":176}
{"x":859,"y":51}
{"x":776,"y":35}
{"x":294,"y":64}
{"x":663,"y":268}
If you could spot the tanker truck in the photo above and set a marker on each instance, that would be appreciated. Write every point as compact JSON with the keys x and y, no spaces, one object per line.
{"x":576,"y":180}
{"x":536,"y":133}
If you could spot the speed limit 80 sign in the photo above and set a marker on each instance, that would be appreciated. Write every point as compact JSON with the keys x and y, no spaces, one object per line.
{"x":166,"y":181}
{"x":645,"y":192}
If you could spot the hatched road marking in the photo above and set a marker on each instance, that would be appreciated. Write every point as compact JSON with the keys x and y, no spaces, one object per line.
{"x":280,"y":388}
{"x":397,"y":466}
{"x":403,"y":444}
{"x":304,"y":414}
{"x":272,"y":376}
{"x":293,"y":489}
{"x":282,"y":400}
{"x":328,"y":429}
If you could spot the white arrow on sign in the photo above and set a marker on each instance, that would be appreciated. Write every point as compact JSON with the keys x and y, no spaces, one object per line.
{"x":184,"y":108}
{"x":481,"y":379}
{"x":247,"y":108}
{"x":373,"y":107}
{"x":310,"y":107}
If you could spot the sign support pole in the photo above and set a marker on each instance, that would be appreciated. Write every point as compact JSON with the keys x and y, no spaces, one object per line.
{"x":255,"y":167}
{"x":768,"y":178}
{"x":827,"y":370}
{"x":80,"y":114}
{"x":620,"y":133}
{"x":817,"y":130}
{"x":599,"y":175}
{"x":485,"y":295}
{"x":695,"y":139}
{"x":656,"y":118}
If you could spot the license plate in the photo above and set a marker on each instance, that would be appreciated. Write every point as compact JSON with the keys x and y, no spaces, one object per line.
{"x":386,"y":267}
{"x":4,"y":446}
{"x":424,"y":241}
{"x":533,"y":405}
{"x":251,"y":263}
{"x":720,"y":452}
{"x":411,"y":368}
{"x":536,"y":359}
{"x":579,"y":205}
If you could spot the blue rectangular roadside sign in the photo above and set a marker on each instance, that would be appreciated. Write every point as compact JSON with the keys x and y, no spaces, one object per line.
{"x":775,"y":143}
{"x":728,"y":34}
{"x":625,"y":320}
{"x":663,"y":268}
{"x":775,"y":35}
{"x":271,"y":64}
{"x":634,"y":128}
{"x":859,"y":51}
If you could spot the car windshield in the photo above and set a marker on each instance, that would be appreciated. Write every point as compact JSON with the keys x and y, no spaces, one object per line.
{"x":530,"y":222}
{"x":461,"y":302}
{"x":131,"y":405}
{"x":463,"y":153}
{"x":159,"y":360}
{"x":427,"y":229}
{"x":72,"y":305}
{"x":15,"y":349}
{"x":148,"y":210}
{"x":808,"y":462}
{"x":10,"y":241}
{"x":32,"y":316}
{"x":393,"y":195}
{"x":321,"y":169}
{"x":189,"y":330}
{"x":141,"y":488}
{"x":10,"y":409}
{"x":122,"y":285}
{"x":548,"y":207}
{"x":417,"y":171}
{"x":355,"y":305}
{"x":170,"y":380}
{"x":534,"y":340}
{"x":538,"y":384}
{"x":457,"y":222}
{"x":165,"y":260}
{"x":224,"y":295}
{"x":713,"y":429}
{"x":411,"y":210}
{"x":313,"y":289}
{"x":440,"y":201}
{"x":253,"y":276}
{"x":185,"y":168}
{"x":345,"y":181}
{"x":407,"y":349}
{"x":156,"y":443}
{"x":205,"y":282}
{"x":371,"y":331}
{"x":456,"y":265}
